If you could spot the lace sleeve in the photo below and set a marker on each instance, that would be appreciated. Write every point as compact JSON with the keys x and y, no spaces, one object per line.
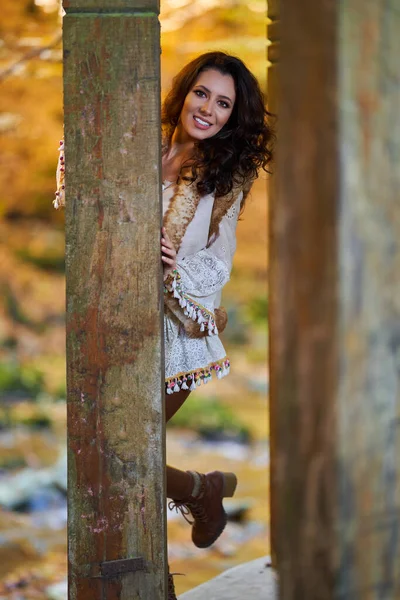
{"x":200,"y":276}
{"x":60,"y":178}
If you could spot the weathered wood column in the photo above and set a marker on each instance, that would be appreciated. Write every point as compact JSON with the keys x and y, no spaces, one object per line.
{"x":273,"y":106}
{"x":114,"y":304}
{"x":335,"y":251}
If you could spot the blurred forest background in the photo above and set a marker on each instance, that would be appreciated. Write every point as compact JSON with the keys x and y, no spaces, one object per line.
{"x":224,"y":425}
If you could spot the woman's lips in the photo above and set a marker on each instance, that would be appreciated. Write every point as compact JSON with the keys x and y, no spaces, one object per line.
{"x":200,"y":125}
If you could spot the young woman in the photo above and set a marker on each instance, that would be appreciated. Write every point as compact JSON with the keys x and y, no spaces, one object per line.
{"x":216,"y":138}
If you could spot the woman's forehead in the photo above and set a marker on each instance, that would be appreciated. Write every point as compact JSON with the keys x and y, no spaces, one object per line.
{"x":217,"y":82}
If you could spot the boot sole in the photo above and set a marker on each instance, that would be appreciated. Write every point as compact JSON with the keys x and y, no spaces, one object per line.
{"x":212,"y":540}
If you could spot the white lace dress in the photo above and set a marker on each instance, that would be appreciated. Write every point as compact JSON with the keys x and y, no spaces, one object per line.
{"x":197,"y":284}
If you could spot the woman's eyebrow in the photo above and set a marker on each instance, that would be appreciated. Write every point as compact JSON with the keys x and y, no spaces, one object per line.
{"x":209,"y":91}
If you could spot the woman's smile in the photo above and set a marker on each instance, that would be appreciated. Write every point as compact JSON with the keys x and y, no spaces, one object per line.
{"x":201,"y":123}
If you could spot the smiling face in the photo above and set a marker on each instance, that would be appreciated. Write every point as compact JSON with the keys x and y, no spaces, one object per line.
{"x":208,"y":105}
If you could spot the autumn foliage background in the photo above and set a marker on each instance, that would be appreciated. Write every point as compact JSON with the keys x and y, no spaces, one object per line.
{"x":32,"y":300}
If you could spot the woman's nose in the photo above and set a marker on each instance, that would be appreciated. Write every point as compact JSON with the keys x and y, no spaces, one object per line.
{"x":206,"y":108}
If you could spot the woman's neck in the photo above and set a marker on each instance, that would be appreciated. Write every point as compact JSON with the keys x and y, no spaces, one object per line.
{"x":180,"y":145}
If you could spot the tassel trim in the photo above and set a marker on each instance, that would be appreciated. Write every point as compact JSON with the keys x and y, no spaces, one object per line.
{"x":60,"y":176}
{"x":191,"y":309}
{"x":192,"y":379}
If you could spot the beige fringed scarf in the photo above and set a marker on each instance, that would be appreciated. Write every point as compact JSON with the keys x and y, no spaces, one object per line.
{"x":180,"y":212}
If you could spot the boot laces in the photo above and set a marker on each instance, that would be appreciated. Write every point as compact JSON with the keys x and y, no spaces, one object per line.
{"x":182,"y":508}
{"x":198,"y":512}
{"x":171,"y":586}
{"x":187,"y":508}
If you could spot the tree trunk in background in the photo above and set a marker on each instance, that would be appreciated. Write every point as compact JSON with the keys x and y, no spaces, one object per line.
{"x":114,"y":303}
{"x":335,"y":303}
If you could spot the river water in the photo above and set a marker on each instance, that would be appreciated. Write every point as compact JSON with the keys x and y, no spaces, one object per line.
{"x":33,"y":540}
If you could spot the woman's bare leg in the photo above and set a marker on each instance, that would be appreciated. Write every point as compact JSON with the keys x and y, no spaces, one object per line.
{"x":201,"y":494}
{"x":179,"y":483}
{"x":173,"y":402}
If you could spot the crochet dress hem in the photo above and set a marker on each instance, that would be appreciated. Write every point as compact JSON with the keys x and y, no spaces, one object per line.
{"x":192,"y":379}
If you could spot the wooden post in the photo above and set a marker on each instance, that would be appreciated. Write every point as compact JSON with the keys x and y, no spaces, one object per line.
{"x":273,"y":106}
{"x":335,"y":251}
{"x":117,"y":542}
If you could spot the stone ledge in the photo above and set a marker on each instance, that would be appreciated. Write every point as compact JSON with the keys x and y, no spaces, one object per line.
{"x":253,"y":580}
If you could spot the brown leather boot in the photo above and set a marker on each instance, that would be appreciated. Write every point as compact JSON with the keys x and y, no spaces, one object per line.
{"x":205,"y":504}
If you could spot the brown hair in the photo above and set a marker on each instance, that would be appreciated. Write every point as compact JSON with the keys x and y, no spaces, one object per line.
{"x":234,"y":155}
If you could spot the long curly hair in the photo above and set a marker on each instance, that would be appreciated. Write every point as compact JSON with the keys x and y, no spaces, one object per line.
{"x":233,"y":156}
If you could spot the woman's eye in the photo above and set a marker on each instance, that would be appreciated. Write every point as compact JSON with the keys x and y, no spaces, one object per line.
{"x":199,"y":93}
{"x":224,"y":104}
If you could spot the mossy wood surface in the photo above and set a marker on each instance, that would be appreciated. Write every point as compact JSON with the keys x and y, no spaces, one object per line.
{"x":114,"y":303}
{"x":335,"y":307}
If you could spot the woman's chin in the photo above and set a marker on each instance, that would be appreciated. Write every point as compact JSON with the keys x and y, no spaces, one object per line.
{"x":200,"y":134}
{"x":196,"y":133}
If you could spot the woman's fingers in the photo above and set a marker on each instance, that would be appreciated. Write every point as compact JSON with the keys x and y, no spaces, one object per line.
{"x":169,"y":261}
{"x":165,"y":238}
{"x":167,"y":242}
{"x":169,"y":251}
{"x":166,"y":245}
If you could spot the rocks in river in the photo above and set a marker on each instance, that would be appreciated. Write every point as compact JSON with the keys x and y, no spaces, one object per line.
{"x":60,"y":471}
{"x":239,"y":436}
{"x":228,"y":544}
{"x":58,"y":591}
{"x":24,"y":547}
{"x":18,"y":489}
{"x":237,"y":510}
{"x":33,"y":555}
{"x":16,"y":543}
{"x":31,"y":489}
{"x":43,"y":501}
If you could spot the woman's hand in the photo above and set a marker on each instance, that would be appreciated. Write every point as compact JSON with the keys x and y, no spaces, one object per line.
{"x":168,"y":254}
